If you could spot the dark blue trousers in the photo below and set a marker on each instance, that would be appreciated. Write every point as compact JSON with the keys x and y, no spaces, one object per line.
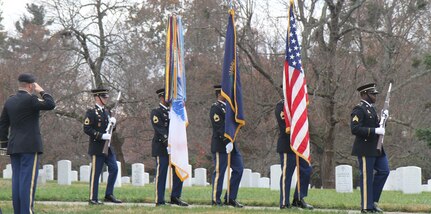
{"x":25,"y":169}
{"x":162,"y":165}
{"x":220,"y":165}
{"x":97,"y":162}
{"x":288,"y":165}
{"x":372,"y":183}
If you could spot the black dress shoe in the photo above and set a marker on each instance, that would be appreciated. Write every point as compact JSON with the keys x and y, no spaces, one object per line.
{"x":179,"y":202}
{"x":160,"y":204}
{"x":94,"y":202}
{"x":301,"y":204}
{"x":111,"y":198}
{"x":377,"y":208}
{"x":368,"y":211}
{"x":233,"y":203}
{"x":285,"y":207}
{"x":215,"y":203}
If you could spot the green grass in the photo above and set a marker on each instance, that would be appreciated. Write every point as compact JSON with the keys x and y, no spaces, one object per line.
{"x":321,"y":199}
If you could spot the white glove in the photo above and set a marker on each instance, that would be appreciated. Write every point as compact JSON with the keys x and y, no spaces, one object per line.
{"x":113,"y":120}
{"x":380,"y":131}
{"x":106,"y":136}
{"x":229,"y":147}
{"x":169,"y":150}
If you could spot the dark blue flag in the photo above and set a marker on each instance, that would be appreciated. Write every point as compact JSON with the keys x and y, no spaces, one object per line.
{"x":231,"y":83}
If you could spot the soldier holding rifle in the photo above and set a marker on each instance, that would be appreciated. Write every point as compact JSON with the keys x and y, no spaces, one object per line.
{"x":96,"y":124}
{"x":365,"y":126}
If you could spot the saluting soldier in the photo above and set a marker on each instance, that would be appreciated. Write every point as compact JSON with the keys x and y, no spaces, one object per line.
{"x":161,"y":151}
{"x":20,"y":133}
{"x":220,"y":148}
{"x":373,"y":166}
{"x":95,"y":124}
{"x":288,"y":163}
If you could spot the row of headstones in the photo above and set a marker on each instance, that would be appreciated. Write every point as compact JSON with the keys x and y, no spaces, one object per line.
{"x":65,"y":176}
{"x":405,"y":179}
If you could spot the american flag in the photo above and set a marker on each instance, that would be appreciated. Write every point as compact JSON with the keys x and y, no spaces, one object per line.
{"x":295,"y":93}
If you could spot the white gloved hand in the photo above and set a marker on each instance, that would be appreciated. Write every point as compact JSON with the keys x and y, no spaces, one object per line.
{"x":113,"y":120}
{"x":169,"y":150}
{"x":106,"y":136}
{"x":380,"y":131}
{"x":229,"y":147}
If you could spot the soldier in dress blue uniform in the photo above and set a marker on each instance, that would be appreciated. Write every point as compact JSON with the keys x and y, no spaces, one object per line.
{"x":95,"y":124}
{"x":365,"y":126}
{"x":220,"y":148}
{"x":288,"y":160}
{"x":160,"y":150}
{"x":20,"y":133}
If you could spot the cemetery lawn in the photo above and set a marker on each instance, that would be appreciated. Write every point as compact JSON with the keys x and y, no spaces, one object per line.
{"x":257,"y":197}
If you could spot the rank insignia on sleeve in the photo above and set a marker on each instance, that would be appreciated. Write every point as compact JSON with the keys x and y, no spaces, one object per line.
{"x":87,"y":121}
{"x":155,"y":119}
{"x":355,"y":118}
{"x":282,"y":115}
{"x":216,"y":118}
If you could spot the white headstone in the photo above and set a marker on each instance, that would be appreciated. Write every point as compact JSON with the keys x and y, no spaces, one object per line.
{"x":264,"y":182}
{"x":118,"y":179}
{"x":125,"y":180}
{"x":74,"y":175}
{"x":225,"y":178}
{"x":49,"y":171}
{"x":293,"y":183}
{"x":146,"y":178}
{"x":391,"y":182}
{"x":428,"y":189}
{"x":399,"y":178}
{"x":169,"y":179}
{"x":246,"y":178}
{"x":41,"y":177}
{"x":200,"y":177}
{"x":255,"y":177}
{"x":64,"y":169}
{"x":84,"y":173}
{"x":7,"y":173}
{"x":188,"y":181}
{"x":275,"y":174}
{"x":411,"y":180}
{"x":138,"y":170}
{"x":105,"y":177}
{"x":343,"y":178}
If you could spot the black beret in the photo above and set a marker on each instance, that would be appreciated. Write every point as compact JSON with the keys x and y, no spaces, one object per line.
{"x":217,"y":87}
{"x":368,"y":88}
{"x":100,"y":91}
{"x":26,"y":77}
{"x":160,"y":92}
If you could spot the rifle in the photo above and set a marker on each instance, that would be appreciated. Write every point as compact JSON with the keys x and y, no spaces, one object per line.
{"x":384,"y":118}
{"x":110,"y":127}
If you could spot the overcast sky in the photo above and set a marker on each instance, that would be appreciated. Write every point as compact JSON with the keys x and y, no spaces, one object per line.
{"x":11,"y":11}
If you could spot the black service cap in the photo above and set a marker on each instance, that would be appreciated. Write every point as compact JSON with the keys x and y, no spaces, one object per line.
{"x":26,"y":77}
